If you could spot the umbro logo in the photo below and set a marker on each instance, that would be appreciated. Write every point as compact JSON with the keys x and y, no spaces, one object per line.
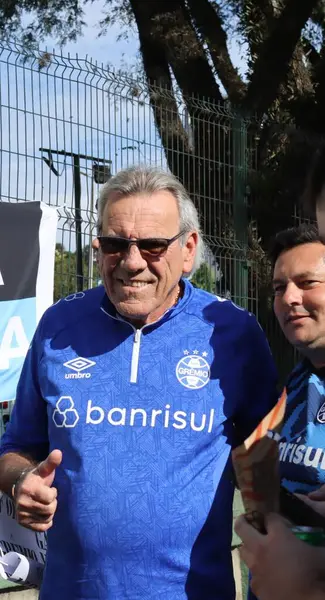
{"x":78,"y":365}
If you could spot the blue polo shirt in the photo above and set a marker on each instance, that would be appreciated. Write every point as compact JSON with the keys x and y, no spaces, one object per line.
{"x":302,"y":443}
{"x":146,"y":420}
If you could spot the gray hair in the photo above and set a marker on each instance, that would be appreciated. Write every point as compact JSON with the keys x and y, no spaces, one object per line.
{"x":148,"y":180}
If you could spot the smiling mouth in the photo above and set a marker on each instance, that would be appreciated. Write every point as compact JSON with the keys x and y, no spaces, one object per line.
{"x":133,"y":284}
{"x":296,"y":318}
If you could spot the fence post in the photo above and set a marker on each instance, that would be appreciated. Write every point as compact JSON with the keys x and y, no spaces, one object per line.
{"x":239,"y":144}
{"x":77,"y":204}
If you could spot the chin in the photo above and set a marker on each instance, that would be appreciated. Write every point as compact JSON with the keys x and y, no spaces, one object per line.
{"x":301,"y":344}
{"x":132,"y":309}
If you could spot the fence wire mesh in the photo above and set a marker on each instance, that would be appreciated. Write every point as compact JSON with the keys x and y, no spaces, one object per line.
{"x":68,"y":124}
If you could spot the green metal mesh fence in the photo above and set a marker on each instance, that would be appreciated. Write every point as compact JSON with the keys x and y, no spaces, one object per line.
{"x":68,"y":123}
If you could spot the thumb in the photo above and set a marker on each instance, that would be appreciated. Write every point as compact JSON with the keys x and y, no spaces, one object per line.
{"x":318,"y":494}
{"x":315,"y":502}
{"x":46,"y":469}
{"x":310,"y":500}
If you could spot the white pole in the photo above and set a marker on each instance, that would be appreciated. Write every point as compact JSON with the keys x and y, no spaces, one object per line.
{"x":91,"y":252}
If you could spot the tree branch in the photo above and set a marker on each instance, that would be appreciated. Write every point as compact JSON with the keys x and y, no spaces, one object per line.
{"x":184,"y":49}
{"x":172,"y":37}
{"x":272,"y":65}
{"x":162,"y":98}
{"x":310,"y":52}
{"x":320,"y":93}
{"x":255,"y":17}
{"x":210,"y":26}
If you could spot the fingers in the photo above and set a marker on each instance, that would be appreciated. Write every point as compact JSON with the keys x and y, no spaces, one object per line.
{"x":47,"y":468}
{"x":316,"y":503}
{"x":254,"y":542}
{"x":247,"y":557}
{"x":31,"y":509}
{"x":253,"y":538}
{"x":277,"y":527}
{"x":27,"y":506}
{"x":26,"y":517}
{"x":248,"y":534}
{"x":34,"y":488}
{"x":307,"y":499}
{"x":35,"y":499}
{"x":318,"y":494}
{"x":36,"y":525}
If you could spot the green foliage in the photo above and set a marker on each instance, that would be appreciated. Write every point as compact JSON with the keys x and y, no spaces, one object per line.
{"x":184,"y":45}
{"x":65,"y":280}
{"x":33,"y":20}
{"x":205,"y":278}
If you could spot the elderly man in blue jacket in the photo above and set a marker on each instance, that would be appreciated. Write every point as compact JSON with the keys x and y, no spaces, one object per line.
{"x":131,"y":398}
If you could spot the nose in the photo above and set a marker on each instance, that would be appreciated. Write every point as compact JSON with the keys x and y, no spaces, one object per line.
{"x":133,"y":260}
{"x":292,"y":295}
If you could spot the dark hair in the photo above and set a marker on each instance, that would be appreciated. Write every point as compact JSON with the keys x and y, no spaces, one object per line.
{"x":294,"y":236}
{"x":315,"y":181}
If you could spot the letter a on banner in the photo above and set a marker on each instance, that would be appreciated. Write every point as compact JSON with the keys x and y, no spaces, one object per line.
{"x":14,"y":343}
{"x":26,"y":282}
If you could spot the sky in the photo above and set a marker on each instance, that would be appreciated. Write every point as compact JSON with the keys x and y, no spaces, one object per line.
{"x":106,"y":49}
{"x":118,"y":53}
{"x":92,"y":116}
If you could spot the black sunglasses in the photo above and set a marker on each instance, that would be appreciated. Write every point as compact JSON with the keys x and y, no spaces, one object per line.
{"x":149,"y":247}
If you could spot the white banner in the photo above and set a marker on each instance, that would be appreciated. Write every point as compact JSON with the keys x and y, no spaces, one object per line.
{"x":27,"y":253}
{"x":15,"y":538}
{"x":22,"y":551}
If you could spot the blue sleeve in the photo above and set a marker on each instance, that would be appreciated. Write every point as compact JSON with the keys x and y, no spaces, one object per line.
{"x":260,"y":392}
{"x":27,"y":431}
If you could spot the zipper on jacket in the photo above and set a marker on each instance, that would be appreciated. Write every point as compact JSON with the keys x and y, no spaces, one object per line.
{"x":135,"y":356}
{"x":136,"y":342}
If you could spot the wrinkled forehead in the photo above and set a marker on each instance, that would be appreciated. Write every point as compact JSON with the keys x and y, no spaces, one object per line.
{"x":301,"y":261}
{"x":155,"y":213}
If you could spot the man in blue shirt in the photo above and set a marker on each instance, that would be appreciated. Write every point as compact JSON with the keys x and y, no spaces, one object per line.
{"x":130,"y":400}
{"x":282,"y":566}
{"x":299,"y":304}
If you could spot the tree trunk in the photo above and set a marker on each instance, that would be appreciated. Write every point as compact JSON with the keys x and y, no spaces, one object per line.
{"x":209,"y":24}
{"x":169,"y":24}
{"x":172,"y":36}
{"x":165,"y":108}
{"x":320,"y":95}
{"x":272,"y":64}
